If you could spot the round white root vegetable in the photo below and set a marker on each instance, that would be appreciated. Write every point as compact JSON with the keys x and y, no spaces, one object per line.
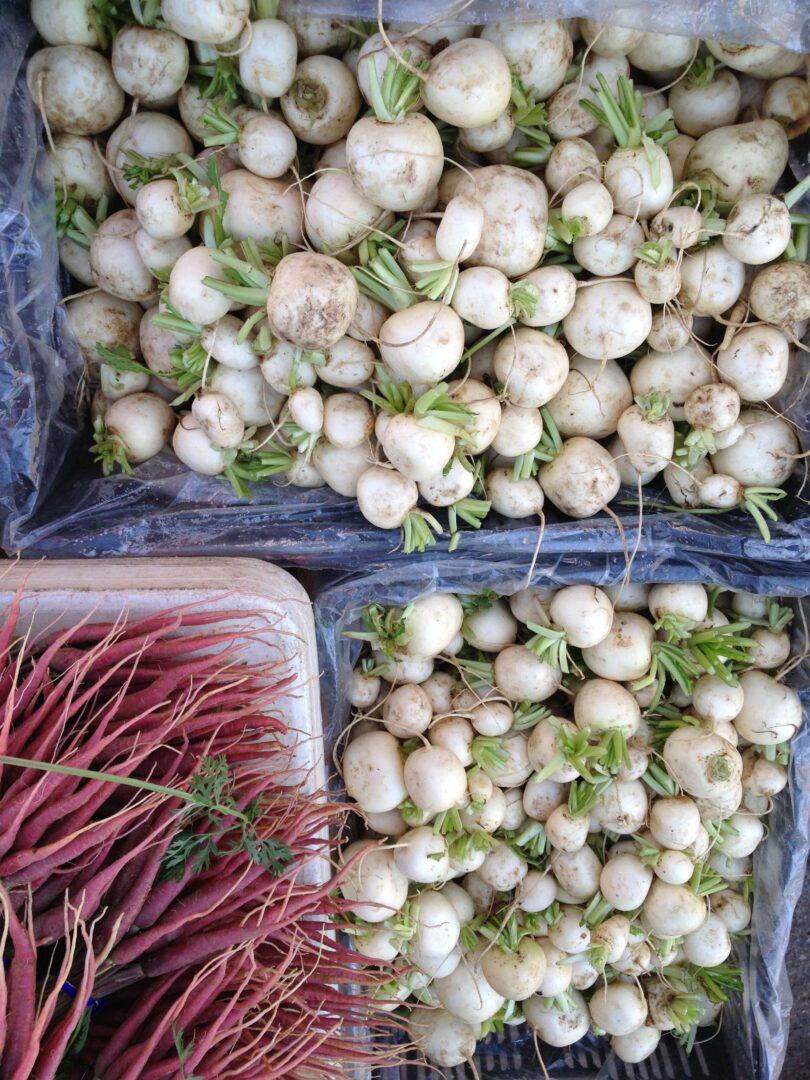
{"x":625,"y":654}
{"x":562,"y":479}
{"x":321,"y":105}
{"x":637,"y":1045}
{"x":434,"y":778}
{"x":744,"y":159}
{"x":337,"y":215}
{"x":503,"y":868}
{"x":515,"y":975}
{"x":468,"y":83}
{"x":373,"y":772}
{"x":75,"y":89}
{"x":608,"y":320}
{"x":625,"y":881}
{"x":466,"y":993}
{"x":771,"y":712}
{"x":115,"y":261}
{"x":372,"y":882}
{"x":704,"y":764}
{"x":674,"y":822}
{"x":732,"y":909}
{"x":555,"y":1026}
{"x":515,"y":207}
{"x":602,"y":705}
{"x":591,"y":400}
{"x":312,"y":300}
{"x":532,"y":366}
{"x":407,"y":711}
{"x":443,"y":1038}
{"x":522,"y":676}
{"x":141,"y":424}
{"x":711,"y":280}
{"x":423,"y":343}
{"x":710,"y":945}
{"x":211,"y":21}
{"x":618,"y":1008}
{"x":267,"y":58}
{"x":673,"y":910}
{"x":395,"y":166}
{"x":150,"y":65}
{"x":780,"y":293}
{"x":764,"y":455}
{"x":219,"y":418}
{"x":584,"y":613}
{"x":758,"y":229}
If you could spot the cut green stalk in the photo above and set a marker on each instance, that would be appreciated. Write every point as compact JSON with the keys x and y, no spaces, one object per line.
{"x":549,"y":645}
{"x":655,"y":405}
{"x":613,"y":752}
{"x":702,"y":70}
{"x":436,"y":279}
{"x":473,"y":512}
{"x":462,"y":847}
{"x":226,"y":130}
{"x":485,"y":340}
{"x":509,"y":1013}
{"x":108,"y":450}
{"x":658,"y":780}
{"x":566,"y":230}
{"x":665,"y":719}
{"x":448,"y":822}
{"x":596,"y":912}
{"x":411,"y":813}
{"x":383,"y":279}
{"x":120,"y":358}
{"x":478,"y":672}
{"x":531,"y":843}
{"x":468,"y":935}
{"x":255,"y":462}
{"x":647,"y":851}
{"x":623,"y":115}
{"x":187,"y":368}
{"x":218,"y":79}
{"x":505,"y":933}
{"x":526,"y":112}
{"x":523,"y":297}
{"x":697,"y":444}
{"x":140,"y":169}
{"x":303,"y":441}
{"x":265,"y":9}
{"x":482,"y":601}
{"x":400,"y":90}
{"x":488,"y":754}
{"x":797,"y":193}
{"x":536,"y":152}
{"x":717,"y":982}
{"x":654,"y":252}
{"x":416,"y":534}
{"x":582,"y":796}
{"x":528,"y":715}
{"x":386,"y":628}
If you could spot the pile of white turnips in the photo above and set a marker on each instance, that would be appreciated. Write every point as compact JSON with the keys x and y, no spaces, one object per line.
{"x":525,"y":273}
{"x":568,"y":835}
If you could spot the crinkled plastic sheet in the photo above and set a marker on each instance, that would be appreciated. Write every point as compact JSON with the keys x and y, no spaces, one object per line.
{"x":52,"y":499}
{"x":755,"y":1028}
{"x":786,"y":23}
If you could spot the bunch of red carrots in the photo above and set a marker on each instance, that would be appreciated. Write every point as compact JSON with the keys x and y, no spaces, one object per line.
{"x":158,"y":917}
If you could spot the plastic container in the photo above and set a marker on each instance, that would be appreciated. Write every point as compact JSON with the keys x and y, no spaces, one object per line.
{"x":52,"y":499}
{"x":58,"y":593}
{"x":754,"y":1032}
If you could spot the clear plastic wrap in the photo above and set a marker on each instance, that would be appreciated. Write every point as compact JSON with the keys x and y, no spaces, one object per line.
{"x":52,"y":498}
{"x":785,"y":24}
{"x":755,"y":1027}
